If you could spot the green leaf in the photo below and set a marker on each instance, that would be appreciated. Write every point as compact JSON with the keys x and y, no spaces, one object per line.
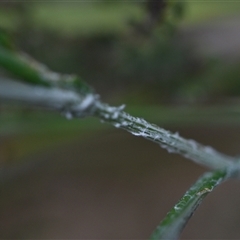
{"x":33,"y":72}
{"x":177,"y":218}
{"x":12,"y":62}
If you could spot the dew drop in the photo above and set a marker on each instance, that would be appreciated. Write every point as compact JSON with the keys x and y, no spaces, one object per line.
{"x":176,"y":135}
{"x":117,"y":125}
{"x":209,"y":150}
{"x":193,"y":144}
{"x":177,"y":208}
{"x":168,"y":148}
{"x":124,"y":123}
{"x":156,"y":137}
{"x":115,"y":115}
{"x":136,"y":133}
{"x":68,"y":115}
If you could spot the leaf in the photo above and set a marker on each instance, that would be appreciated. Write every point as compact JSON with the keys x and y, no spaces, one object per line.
{"x":30,"y":71}
{"x":177,"y":218}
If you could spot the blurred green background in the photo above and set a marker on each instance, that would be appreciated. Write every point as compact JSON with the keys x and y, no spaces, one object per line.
{"x":177,"y":66}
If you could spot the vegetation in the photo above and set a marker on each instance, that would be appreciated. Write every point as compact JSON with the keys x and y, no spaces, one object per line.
{"x":138,"y":58}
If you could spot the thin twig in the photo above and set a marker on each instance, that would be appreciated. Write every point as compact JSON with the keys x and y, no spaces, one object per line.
{"x":73,"y":104}
{"x":70,"y":103}
{"x":174,"y":143}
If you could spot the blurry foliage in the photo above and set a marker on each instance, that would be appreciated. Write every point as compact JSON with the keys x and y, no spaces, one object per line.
{"x":6,"y":40}
{"x":140,"y":65}
{"x":159,"y":13}
{"x":199,"y":11}
{"x":105,"y":45}
{"x":113,"y":63}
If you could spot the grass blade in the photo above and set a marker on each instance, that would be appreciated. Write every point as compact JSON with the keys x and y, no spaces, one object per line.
{"x":30,"y":71}
{"x":177,"y":218}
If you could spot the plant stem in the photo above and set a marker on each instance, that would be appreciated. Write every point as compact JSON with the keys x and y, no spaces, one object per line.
{"x":71,"y":95}
{"x":70,"y":103}
{"x":31,"y":71}
{"x":174,"y":143}
{"x":73,"y":104}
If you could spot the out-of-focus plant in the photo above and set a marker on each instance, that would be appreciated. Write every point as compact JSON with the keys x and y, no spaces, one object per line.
{"x":160,"y":14}
{"x":36,"y":85}
{"x":133,"y":56}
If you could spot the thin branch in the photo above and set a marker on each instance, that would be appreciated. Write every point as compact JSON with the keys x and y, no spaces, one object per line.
{"x":70,"y":103}
{"x":71,"y":95}
{"x":74,"y":98}
{"x":73,"y":104}
{"x":190,"y":149}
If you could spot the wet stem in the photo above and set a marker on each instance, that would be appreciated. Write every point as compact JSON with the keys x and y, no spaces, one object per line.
{"x":173,"y":143}
{"x":72,"y":97}
{"x":225,"y":167}
{"x":75,"y":104}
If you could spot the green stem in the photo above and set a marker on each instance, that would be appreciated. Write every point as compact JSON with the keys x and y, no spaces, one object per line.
{"x":33,"y":72}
